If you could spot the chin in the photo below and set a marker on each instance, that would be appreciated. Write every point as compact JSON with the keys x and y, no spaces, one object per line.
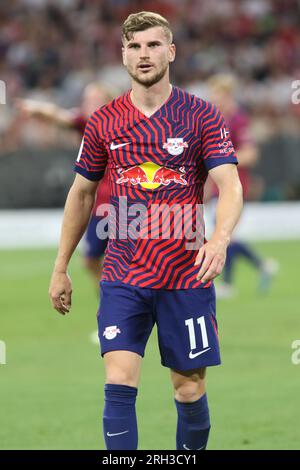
{"x":148,"y":81}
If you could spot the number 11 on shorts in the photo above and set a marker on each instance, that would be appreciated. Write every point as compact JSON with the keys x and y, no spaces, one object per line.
{"x":191,"y":326}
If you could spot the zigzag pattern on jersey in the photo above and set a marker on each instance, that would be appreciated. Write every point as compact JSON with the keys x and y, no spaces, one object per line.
{"x":159,"y":255}
{"x":93,"y":158}
{"x":165,"y":261}
{"x":135,"y":148}
{"x":171,"y":262}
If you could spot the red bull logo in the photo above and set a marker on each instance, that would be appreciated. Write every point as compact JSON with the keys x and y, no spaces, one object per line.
{"x":150,"y":175}
{"x":166,"y":175}
{"x":135,"y":175}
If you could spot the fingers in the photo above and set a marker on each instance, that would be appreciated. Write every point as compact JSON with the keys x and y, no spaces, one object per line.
{"x":205,"y":265}
{"x":66,"y":300}
{"x":214,"y":269}
{"x":60,"y":292}
{"x":57,"y":303}
{"x":61,"y":302}
{"x":200,"y":256}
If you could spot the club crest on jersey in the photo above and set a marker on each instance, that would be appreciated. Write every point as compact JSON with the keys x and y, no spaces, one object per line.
{"x":175,"y":146}
{"x":111,"y":332}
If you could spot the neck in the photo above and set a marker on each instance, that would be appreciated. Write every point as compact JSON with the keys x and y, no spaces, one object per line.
{"x":149,"y":99}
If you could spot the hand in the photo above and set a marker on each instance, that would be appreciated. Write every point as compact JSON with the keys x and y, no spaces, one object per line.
{"x":212,"y":255}
{"x":60,"y":292}
{"x":26,"y":107}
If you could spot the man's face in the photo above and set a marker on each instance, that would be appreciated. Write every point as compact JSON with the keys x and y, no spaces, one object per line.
{"x":147,"y":55}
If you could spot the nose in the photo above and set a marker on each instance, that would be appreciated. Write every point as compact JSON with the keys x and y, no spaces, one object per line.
{"x":144,"y":52}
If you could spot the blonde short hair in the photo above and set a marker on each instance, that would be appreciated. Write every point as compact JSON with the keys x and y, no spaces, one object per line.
{"x":224,"y":82}
{"x":144,"y":20}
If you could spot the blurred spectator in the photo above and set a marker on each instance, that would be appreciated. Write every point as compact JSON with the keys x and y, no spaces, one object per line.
{"x":222,"y":92}
{"x":222,"y":89}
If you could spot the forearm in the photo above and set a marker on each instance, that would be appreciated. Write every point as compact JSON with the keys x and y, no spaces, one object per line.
{"x":76,"y":217}
{"x":54,"y":114}
{"x":228,"y":211}
{"x":47,"y":111}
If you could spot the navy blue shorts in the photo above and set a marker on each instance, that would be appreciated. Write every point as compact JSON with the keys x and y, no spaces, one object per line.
{"x":93,"y":246}
{"x":185,"y":318}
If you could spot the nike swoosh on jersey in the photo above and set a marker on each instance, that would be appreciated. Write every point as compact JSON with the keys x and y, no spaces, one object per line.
{"x":193,"y":355}
{"x":115,"y":146}
{"x":116,"y":434}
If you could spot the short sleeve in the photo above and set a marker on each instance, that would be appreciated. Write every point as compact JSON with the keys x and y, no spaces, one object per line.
{"x":92,"y":157}
{"x":216,"y":146}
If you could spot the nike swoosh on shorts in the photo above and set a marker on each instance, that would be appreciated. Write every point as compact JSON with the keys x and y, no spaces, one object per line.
{"x":193,"y":355}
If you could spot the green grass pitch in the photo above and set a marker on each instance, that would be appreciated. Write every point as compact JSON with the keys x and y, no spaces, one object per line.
{"x":51,"y":389}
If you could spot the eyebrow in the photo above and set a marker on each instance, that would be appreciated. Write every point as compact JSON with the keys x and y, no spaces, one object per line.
{"x":150,"y":43}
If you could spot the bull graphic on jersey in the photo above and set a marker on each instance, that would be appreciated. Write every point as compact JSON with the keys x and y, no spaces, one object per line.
{"x":134,"y":175}
{"x":151,"y":175}
{"x":166,"y":175}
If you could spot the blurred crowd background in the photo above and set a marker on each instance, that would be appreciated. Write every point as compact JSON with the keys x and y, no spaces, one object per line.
{"x":51,"y":49}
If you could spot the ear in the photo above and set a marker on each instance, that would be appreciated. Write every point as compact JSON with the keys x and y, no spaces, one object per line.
{"x":172,"y":52}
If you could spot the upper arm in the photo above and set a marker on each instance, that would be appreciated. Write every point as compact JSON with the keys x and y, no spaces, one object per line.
{"x":83,"y":185}
{"x":92,"y":157}
{"x":225,"y":175}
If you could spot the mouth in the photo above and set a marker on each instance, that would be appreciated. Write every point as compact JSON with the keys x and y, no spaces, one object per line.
{"x":145,"y":67}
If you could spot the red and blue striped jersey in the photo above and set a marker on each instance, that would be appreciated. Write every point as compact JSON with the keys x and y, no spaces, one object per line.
{"x":157,"y":167}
